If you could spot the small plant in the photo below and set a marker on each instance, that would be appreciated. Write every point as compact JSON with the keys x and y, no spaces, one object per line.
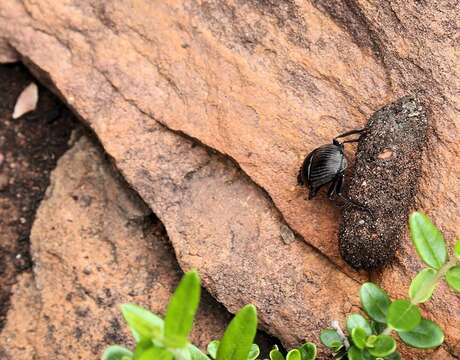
{"x":372,"y":339}
{"x":368,"y":338}
{"x":158,"y":339}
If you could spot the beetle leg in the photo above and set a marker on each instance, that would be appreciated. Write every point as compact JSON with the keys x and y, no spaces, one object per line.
{"x":312,"y":193}
{"x":351,"y":132}
{"x":336,"y":186}
{"x":359,"y":206}
{"x":299,"y":177}
{"x":338,"y":190}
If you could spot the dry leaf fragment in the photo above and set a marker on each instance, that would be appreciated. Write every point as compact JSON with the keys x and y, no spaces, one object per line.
{"x":27,"y":101}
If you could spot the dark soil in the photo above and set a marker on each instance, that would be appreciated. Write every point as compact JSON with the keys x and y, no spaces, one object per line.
{"x":385,"y":179}
{"x":29,"y":149}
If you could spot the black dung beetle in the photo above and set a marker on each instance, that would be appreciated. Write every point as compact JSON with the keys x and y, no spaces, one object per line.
{"x":327,"y":164}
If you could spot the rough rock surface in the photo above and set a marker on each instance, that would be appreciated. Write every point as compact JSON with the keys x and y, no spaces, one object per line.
{"x":95,"y":245}
{"x":262,"y":82}
{"x":7,"y":54}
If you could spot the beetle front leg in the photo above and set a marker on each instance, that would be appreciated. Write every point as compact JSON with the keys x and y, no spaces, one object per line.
{"x":338,"y":190}
{"x":351,"y":132}
{"x":336,"y":186}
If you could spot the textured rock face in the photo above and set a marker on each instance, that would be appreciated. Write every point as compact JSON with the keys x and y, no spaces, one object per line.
{"x":7,"y":54}
{"x":260,"y":82}
{"x":94,"y":246}
{"x":265,"y":84}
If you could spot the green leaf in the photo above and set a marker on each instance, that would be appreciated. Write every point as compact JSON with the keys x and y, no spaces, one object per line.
{"x":422,"y":286}
{"x":181,"y":310}
{"x":356,"y":320}
{"x":254,"y":352}
{"x":116,"y":352}
{"x":308,"y":351}
{"x":355,"y":354}
{"x":453,"y":278}
{"x":384,"y":345}
{"x":375,"y":301}
{"x":146,"y":350}
{"x":393,"y":356}
{"x":294,"y":354}
{"x":403,"y":316}
{"x":359,"y":336}
{"x":142,"y":346}
{"x":370,"y":341}
{"x":425,"y":335}
{"x":143,"y":324}
{"x":196,"y":353}
{"x":330,"y":338}
{"x":428,"y":240}
{"x":457,"y":249}
{"x":239,"y":335}
{"x":275,"y":354}
{"x":212,"y":348}
{"x":182,"y":353}
{"x":154,"y":353}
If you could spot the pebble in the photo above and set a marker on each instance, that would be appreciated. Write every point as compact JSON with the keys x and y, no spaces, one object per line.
{"x":4,"y":181}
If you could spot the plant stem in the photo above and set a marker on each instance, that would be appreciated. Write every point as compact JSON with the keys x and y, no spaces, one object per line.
{"x":335,"y":324}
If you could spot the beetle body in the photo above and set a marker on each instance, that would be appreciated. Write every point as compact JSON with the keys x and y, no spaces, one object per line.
{"x":326,"y":165}
{"x":322,"y":166}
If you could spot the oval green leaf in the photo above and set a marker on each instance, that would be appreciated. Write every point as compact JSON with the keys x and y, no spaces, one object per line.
{"x":428,"y":240}
{"x":254,"y":352}
{"x":384,"y":345}
{"x":355,"y":354}
{"x":195,"y":353}
{"x":425,"y":335}
{"x":357,"y":320}
{"x":308,"y":351}
{"x":275,"y":354}
{"x":330,"y":338}
{"x":212,"y":348}
{"x":422,"y":286}
{"x":457,"y":249}
{"x":143,"y":324}
{"x":394,"y":356}
{"x":155,"y":353}
{"x":146,"y":350}
{"x":375,"y":301}
{"x":403,"y":316}
{"x":453,"y":278}
{"x":239,"y":335}
{"x":294,"y":354}
{"x":370,"y":341}
{"x":116,"y":352}
{"x":359,"y":336}
{"x":181,"y":310}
